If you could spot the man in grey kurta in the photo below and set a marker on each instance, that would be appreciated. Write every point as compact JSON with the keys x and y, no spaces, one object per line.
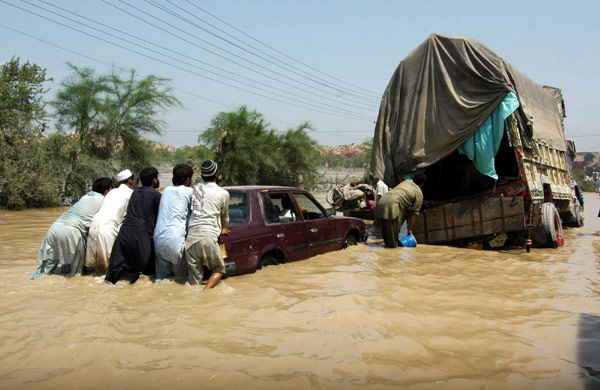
{"x":65,"y":241}
{"x":396,"y":206}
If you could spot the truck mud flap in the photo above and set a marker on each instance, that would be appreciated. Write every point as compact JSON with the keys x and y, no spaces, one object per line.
{"x":470,"y":219}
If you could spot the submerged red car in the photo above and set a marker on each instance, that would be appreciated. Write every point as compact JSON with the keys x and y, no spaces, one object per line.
{"x":271,"y":225}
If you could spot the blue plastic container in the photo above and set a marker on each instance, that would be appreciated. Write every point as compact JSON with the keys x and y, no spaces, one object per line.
{"x":408,"y":242}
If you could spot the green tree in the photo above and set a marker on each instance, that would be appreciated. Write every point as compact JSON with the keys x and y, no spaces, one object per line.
{"x":589,"y":157}
{"x":110,"y":113}
{"x":27,"y":171}
{"x":22,"y":111}
{"x":249,"y":152}
{"x":300,"y":158}
{"x":584,"y":184}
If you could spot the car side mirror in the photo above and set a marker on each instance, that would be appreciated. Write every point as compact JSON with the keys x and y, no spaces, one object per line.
{"x":331,"y":211}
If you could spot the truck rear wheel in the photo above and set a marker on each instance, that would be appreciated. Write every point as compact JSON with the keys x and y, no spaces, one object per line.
{"x":579,"y":218}
{"x":550,"y":234}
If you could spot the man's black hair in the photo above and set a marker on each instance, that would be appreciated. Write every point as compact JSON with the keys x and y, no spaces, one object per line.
{"x":147,"y":175}
{"x":420,"y":178}
{"x":101,"y":185}
{"x":209,"y":178}
{"x":180,"y":174}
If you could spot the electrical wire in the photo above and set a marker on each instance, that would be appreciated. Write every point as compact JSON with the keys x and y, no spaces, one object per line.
{"x":175,"y":88}
{"x":374,"y":94}
{"x":333,"y":113}
{"x":195,"y":59}
{"x":212,"y":45}
{"x":335,"y":108}
{"x":286,"y":66}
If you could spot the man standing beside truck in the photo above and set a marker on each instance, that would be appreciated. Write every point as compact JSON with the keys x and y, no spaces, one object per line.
{"x":381,"y":189}
{"x":396,"y":206}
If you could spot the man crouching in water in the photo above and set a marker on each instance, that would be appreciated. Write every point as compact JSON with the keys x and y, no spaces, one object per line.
{"x":65,"y":241}
{"x":210,"y":204}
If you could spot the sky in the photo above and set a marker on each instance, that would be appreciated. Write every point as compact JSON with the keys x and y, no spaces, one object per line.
{"x":327,"y":62}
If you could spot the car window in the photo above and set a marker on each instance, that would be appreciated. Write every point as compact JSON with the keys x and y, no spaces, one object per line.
{"x":310,"y":210}
{"x":239,"y":210}
{"x":279,"y":208}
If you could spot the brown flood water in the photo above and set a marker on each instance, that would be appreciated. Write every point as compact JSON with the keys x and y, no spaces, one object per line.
{"x":430,"y":317}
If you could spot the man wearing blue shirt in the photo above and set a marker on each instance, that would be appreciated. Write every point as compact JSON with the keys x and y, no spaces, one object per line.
{"x":171,"y":226}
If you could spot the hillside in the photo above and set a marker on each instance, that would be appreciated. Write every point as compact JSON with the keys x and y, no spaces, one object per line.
{"x":345,"y":150}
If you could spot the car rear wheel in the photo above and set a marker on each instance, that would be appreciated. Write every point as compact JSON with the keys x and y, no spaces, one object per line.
{"x":268,"y":259}
{"x":350,"y":240}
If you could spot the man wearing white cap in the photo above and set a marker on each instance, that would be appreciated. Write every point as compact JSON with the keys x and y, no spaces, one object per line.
{"x":107,"y":222}
{"x":210,"y":204}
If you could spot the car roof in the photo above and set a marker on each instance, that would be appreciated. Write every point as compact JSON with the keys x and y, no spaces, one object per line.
{"x":257,"y":188}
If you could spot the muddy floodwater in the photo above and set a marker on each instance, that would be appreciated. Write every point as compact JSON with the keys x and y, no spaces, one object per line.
{"x":430,"y":317}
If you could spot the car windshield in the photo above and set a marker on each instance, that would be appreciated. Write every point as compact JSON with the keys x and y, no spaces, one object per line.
{"x":238,"y":207}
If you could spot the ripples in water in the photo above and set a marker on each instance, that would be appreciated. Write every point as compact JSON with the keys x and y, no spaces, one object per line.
{"x":367,"y":317}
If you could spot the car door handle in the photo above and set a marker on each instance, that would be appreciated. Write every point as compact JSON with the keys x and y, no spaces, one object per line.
{"x":314,"y":230}
{"x":280,"y":235}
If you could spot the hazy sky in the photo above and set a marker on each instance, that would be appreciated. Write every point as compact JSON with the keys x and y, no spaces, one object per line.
{"x":326,"y":62}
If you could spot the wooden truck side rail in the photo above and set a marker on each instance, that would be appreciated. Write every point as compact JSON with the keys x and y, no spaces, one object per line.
{"x":470,"y":219}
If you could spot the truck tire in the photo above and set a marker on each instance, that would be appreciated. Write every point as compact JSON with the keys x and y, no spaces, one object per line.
{"x":552,"y":225}
{"x":579,"y":218}
{"x":550,"y":234}
{"x":574,"y":219}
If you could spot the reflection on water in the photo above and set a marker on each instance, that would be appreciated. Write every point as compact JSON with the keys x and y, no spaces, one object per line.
{"x":368,"y":317}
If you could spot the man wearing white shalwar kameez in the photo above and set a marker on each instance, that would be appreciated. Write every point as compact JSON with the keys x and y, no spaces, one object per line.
{"x":107,"y":222}
{"x":65,"y":242}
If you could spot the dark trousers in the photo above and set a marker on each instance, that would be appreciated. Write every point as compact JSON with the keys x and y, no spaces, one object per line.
{"x":390,"y":230}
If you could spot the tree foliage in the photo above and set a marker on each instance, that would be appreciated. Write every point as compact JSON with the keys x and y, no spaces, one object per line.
{"x":22,"y":111}
{"x":106,"y":114}
{"x":249,"y":152}
{"x":168,"y":157}
{"x":585,"y":184}
{"x":110,"y":113}
{"x":26,"y":169}
{"x":589,"y":157}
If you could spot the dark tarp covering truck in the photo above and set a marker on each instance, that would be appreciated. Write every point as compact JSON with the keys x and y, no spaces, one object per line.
{"x":490,"y":140}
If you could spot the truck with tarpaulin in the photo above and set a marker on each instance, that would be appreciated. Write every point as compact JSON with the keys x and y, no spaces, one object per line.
{"x":490,"y":140}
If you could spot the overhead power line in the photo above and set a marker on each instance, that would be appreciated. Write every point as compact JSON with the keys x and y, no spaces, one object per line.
{"x":192,"y":58}
{"x":176,"y":88}
{"x":373,"y":94}
{"x":346,"y":115}
{"x":373,"y":104}
{"x":269,"y":58}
